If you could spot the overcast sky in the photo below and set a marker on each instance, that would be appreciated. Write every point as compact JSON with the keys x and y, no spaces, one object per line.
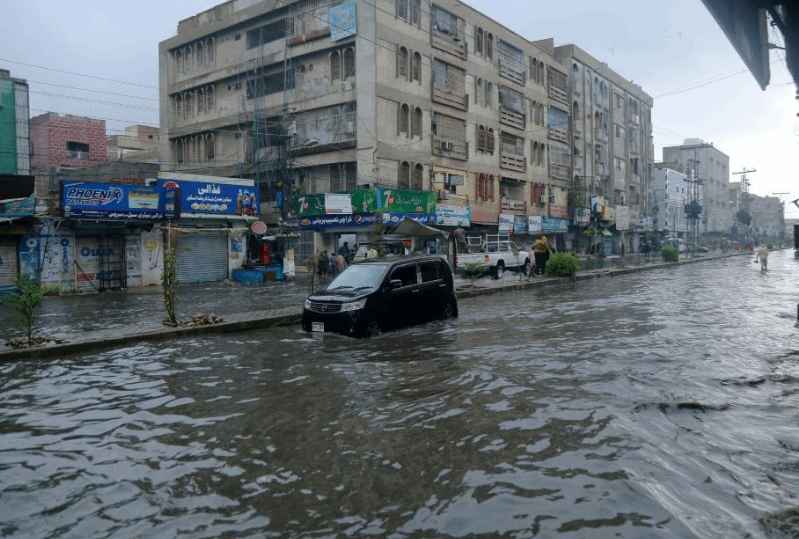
{"x":100,"y":59}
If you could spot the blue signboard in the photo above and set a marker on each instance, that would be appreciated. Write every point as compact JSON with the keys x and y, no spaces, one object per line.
{"x":112,"y":201}
{"x":212,"y":198}
{"x":361,"y":219}
{"x":342,"y":21}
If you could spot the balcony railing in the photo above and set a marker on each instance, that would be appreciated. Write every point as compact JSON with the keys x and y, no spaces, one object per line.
{"x":511,"y":117}
{"x":513,"y":207}
{"x":445,"y":96}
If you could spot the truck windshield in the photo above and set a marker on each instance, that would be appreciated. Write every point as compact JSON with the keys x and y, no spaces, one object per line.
{"x":358,"y":277}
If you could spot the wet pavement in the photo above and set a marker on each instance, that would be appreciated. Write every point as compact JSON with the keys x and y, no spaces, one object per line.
{"x":80,"y":323}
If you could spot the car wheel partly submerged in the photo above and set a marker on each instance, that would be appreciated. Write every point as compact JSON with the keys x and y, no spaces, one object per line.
{"x":372,"y":329}
{"x":498,"y":270}
{"x":448,"y":311}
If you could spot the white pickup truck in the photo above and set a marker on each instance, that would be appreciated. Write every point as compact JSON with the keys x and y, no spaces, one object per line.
{"x":494,"y":255}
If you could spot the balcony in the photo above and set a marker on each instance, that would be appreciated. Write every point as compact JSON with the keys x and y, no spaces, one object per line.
{"x":513,"y":207}
{"x":559,"y":94}
{"x":445,"y":96}
{"x":559,"y":133}
{"x":455,"y":149}
{"x":511,"y":117}
{"x":512,"y":158}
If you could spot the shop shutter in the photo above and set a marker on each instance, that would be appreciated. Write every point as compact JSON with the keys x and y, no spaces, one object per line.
{"x":202,"y":257}
{"x":87,"y":264}
{"x":8,"y":260}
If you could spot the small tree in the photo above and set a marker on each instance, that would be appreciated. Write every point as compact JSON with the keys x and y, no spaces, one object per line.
{"x":169,"y":277}
{"x":24,"y":301}
{"x":474,"y":270}
{"x":312,"y":265}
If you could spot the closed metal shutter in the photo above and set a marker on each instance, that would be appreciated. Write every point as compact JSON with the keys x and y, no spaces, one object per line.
{"x":87,"y":264}
{"x":8,"y":260}
{"x":202,"y":257}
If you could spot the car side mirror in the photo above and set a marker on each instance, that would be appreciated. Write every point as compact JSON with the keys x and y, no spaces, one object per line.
{"x":396,"y":283}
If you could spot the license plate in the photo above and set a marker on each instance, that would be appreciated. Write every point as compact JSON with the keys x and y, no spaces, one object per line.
{"x":317,"y":326}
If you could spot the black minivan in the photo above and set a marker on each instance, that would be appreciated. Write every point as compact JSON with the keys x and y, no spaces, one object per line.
{"x":380,"y":294}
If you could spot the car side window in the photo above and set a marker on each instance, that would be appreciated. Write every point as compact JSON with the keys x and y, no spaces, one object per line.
{"x":406,"y":274}
{"x":430,"y":271}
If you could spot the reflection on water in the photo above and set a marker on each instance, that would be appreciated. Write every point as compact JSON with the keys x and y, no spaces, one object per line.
{"x":660,"y":404}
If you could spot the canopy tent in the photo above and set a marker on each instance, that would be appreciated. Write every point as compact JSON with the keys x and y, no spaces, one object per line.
{"x":409,"y":227}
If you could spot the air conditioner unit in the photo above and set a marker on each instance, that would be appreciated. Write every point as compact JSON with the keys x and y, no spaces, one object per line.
{"x":345,"y":86}
{"x":446,"y":145}
{"x":543,"y":199}
{"x":443,"y":194}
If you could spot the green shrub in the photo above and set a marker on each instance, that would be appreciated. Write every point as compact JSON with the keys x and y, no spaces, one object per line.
{"x":474,"y":270}
{"x":562,"y":265}
{"x":670,"y":253}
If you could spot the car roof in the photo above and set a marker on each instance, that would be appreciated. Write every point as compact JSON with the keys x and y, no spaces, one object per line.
{"x":399,"y":259}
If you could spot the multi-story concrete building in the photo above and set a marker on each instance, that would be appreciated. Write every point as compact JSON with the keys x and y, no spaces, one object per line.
{"x":62,"y":142}
{"x":668,"y":196}
{"x":139,"y":144}
{"x":768,"y":218}
{"x":710,"y":168}
{"x":15,"y":152}
{"x":611,"y":137}
{"x":400,"y":101}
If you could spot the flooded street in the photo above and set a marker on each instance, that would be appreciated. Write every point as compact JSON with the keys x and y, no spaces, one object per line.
{"x":663,"y":403}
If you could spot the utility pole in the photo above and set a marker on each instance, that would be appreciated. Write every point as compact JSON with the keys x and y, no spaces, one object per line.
{"x":782,"y":216}
{"x":744,"y":218}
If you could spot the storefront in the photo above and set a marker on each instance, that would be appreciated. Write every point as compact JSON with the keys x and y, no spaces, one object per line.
{"x":212,"y":234}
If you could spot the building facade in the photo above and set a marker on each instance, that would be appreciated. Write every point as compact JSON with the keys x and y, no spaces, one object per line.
{"x":398,"y":97}
{"x":612,"y":144}
{"x":15,"y":152}
{"x":668,"y":196}
{"x":710,"y":169}
{"x":64,"y":142}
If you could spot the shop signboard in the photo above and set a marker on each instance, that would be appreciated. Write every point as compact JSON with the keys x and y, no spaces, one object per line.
{"x":547,"y":225}
{"x":365,"y":201}
{"x":453,"y":215}
{"x":112,"y":201}
{"x":209,"y":198}
{"x":506,"y":223}
{"x":622,"y":217}
{"x":319,"y":222}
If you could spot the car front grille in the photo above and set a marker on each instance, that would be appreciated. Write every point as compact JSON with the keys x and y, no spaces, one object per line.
{"x":319,"y":307}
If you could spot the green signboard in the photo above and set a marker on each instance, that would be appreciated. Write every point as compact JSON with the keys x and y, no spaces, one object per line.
{"x":370,"y":201}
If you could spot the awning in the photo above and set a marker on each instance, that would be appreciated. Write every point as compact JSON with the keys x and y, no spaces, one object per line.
{"x":409,"y":227}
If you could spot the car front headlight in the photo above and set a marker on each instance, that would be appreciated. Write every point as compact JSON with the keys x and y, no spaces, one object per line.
{"x":353,"y":305}
{"x":308,"y":304}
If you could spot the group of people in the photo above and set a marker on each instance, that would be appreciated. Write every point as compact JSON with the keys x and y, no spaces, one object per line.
{"x":334,"y":263}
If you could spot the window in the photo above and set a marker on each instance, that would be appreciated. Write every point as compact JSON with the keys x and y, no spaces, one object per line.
{"x":404,"y":179}
{"x":418,"y":176}
{"x":478,"y":41}
{"x":402,"y":63}
{"x":349,"y":62}
{"x":78,"y":150}
{"x":335,"y":178}
{"x":406,"y":274}
{"x":449,"y":76}
{"x":335,"y":66}
{"x":404,"y":119}
{"x":489,"y":95}
{"x":210,"y":144}
{"x":490,"y":140}
{"x":479,"y":92}
{"x":485,"y":187}
{"x":416,"y":67}
{"x":410,"y":11}
{"x":270,"y":32}
{"x":489,"y":46}
{"x":417,"y":122}
{"x":485,"y":139}
{"x":429,"y":271}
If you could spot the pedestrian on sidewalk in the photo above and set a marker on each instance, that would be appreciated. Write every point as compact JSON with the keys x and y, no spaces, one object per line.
{"x":333,"y":265}
{"x":541,"y":250}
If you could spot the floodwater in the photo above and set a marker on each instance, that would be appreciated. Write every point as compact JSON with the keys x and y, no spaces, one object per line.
{"x":663,"y":403}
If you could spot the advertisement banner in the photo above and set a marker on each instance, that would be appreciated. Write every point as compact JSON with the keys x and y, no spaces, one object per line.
{"x":582,"y":216}
{"x":338,"y":203}
{"x":199,"y":199}
{"x":112,"y":201}
{"x":18,"y":207}
{"x":534,"y":224}
{"x":342,"y":21}
{"x":358,"y":219}
{"x":506,"y":223}
{"x":365,"y":201}
{"x":453,"y":215}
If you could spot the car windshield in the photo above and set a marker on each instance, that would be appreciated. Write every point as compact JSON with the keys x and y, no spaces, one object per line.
{"x":358,"y":277}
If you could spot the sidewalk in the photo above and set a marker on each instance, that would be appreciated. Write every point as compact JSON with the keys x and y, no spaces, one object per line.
{"x":139,"y":317}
